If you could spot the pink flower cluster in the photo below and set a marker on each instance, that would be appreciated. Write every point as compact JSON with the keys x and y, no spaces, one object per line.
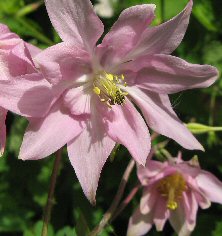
{"x":173,"y":190}
{"x":82,"y":94}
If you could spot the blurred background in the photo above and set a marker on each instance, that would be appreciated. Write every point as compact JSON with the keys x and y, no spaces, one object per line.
{"x":24,"y":185}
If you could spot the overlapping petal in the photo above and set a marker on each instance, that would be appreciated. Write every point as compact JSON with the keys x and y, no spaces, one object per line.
{"x":161,"y":117}
{"x":125,"y":33}
{"x":210,"y":185}
{"x":168,"y":74}
{"x":45,"y":136}
{"x":63,"y":61}
{"x":164,"y":38}
{"x":75,"y":21}
{"x":88,"y":154}
{"x":28,"y":95}
{"x":126,"y":126}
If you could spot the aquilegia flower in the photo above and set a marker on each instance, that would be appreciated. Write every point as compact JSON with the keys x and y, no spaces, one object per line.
{"x":173,"y":190}
{"x":21,"y":85}
{"x":95,"y":87}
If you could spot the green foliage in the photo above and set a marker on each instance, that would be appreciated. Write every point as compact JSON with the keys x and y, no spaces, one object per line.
{"x":24,"y":185}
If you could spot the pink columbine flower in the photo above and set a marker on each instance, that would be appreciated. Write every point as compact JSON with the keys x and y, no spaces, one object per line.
{"x":99,"y":85}
{"x":21,"y":85}
{"x":173,"y":190}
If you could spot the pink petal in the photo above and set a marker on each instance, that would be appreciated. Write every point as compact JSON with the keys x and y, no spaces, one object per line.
{"x":88,"y":154}
{"x":161,"y":214}
{"x":168,"y":74}
{"x":78,"y":100}
{"x":139,"y":223}
{"x":45,"y":136}
{"x":34,"y":51}
{"x":4,"y":29}
{"x":126,"y":126}
{"x":160,"y":117}
{"x":191,"y":207}
{"x":28,"y":95}
{"x":125,"y":33}
{"x":75,"y":21}
{"x":63,"y":62}
{"x":178,"y":221}
{"x":210,"y":186}
{"x":164,"y":38}
{"x":3,"y":113}
{"x":151,"y":170}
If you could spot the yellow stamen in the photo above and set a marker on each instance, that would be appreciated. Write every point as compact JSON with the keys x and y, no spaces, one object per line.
{"x":105,"y":85}
{"x":172,"y":188}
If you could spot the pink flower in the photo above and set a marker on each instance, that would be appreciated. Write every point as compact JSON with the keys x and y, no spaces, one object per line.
{"x":173,"y":190}
{"x":20,"y":81}
{"x":99,"y":85}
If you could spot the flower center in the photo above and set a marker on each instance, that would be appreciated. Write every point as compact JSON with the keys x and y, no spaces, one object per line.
{"x":172,"y":187}
{"x":106,"y":87}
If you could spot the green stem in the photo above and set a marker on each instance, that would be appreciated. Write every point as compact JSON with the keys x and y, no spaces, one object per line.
{"x":50,"y":201}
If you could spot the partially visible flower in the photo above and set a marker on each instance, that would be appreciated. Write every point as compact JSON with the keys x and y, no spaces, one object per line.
{"x":173,"y":190}
{"x":100,"y":84}
{"x":105,"y":8}
{"x":20,"y":81}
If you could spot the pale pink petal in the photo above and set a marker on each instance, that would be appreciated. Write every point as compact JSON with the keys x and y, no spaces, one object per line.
{"x":191,"y":207}
{"x":161,"y":214}
{"x":151,"y":170}
{"x":168,"y":74}
{"x":77,"y":100}
{"x":63,"y":62}
{"x":163,"y":38}
{"x":20,"y":61}
{"x":34,"y":51}
{"x":88,"y":154}
{"x":125,"y":33}
{"x":4,"y":29}
{"x":28,"y":95}
{"x":139,"y":224}
{"x":178,"y":221}
{"x":3,"y":113}
{"x":210,"y":186}
{"x":126,"y":126}
{"x":161,"y":118}
{"x":45,"y":136}
{"x":75,"y":21}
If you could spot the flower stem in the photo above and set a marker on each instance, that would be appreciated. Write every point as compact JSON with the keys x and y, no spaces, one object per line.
{"x":107,"y":216}
{"x":126,"y":201}
{"x":50,"y":201}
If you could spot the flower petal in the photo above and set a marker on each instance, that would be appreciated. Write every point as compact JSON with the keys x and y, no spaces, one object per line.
{"x":139,"y":224}
{"x":161,"y":214}
{"x":78,"y":100}
{"x":178,"y":221}
{"x":75,"y":21}
{"x":126,"y":126}
{"x":125,"y":33}
{"x":163,"y":38}
{"x":210,"y":186}
{"x":88,"y":154}
{"x":63,"y":62}
{"x":160,"y":117}
{"x":168,"y":74}
{"x":45,"y":136}
{"x":28,"y":95}
{"x":191,"y":207}
{"x":3,"y":113}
